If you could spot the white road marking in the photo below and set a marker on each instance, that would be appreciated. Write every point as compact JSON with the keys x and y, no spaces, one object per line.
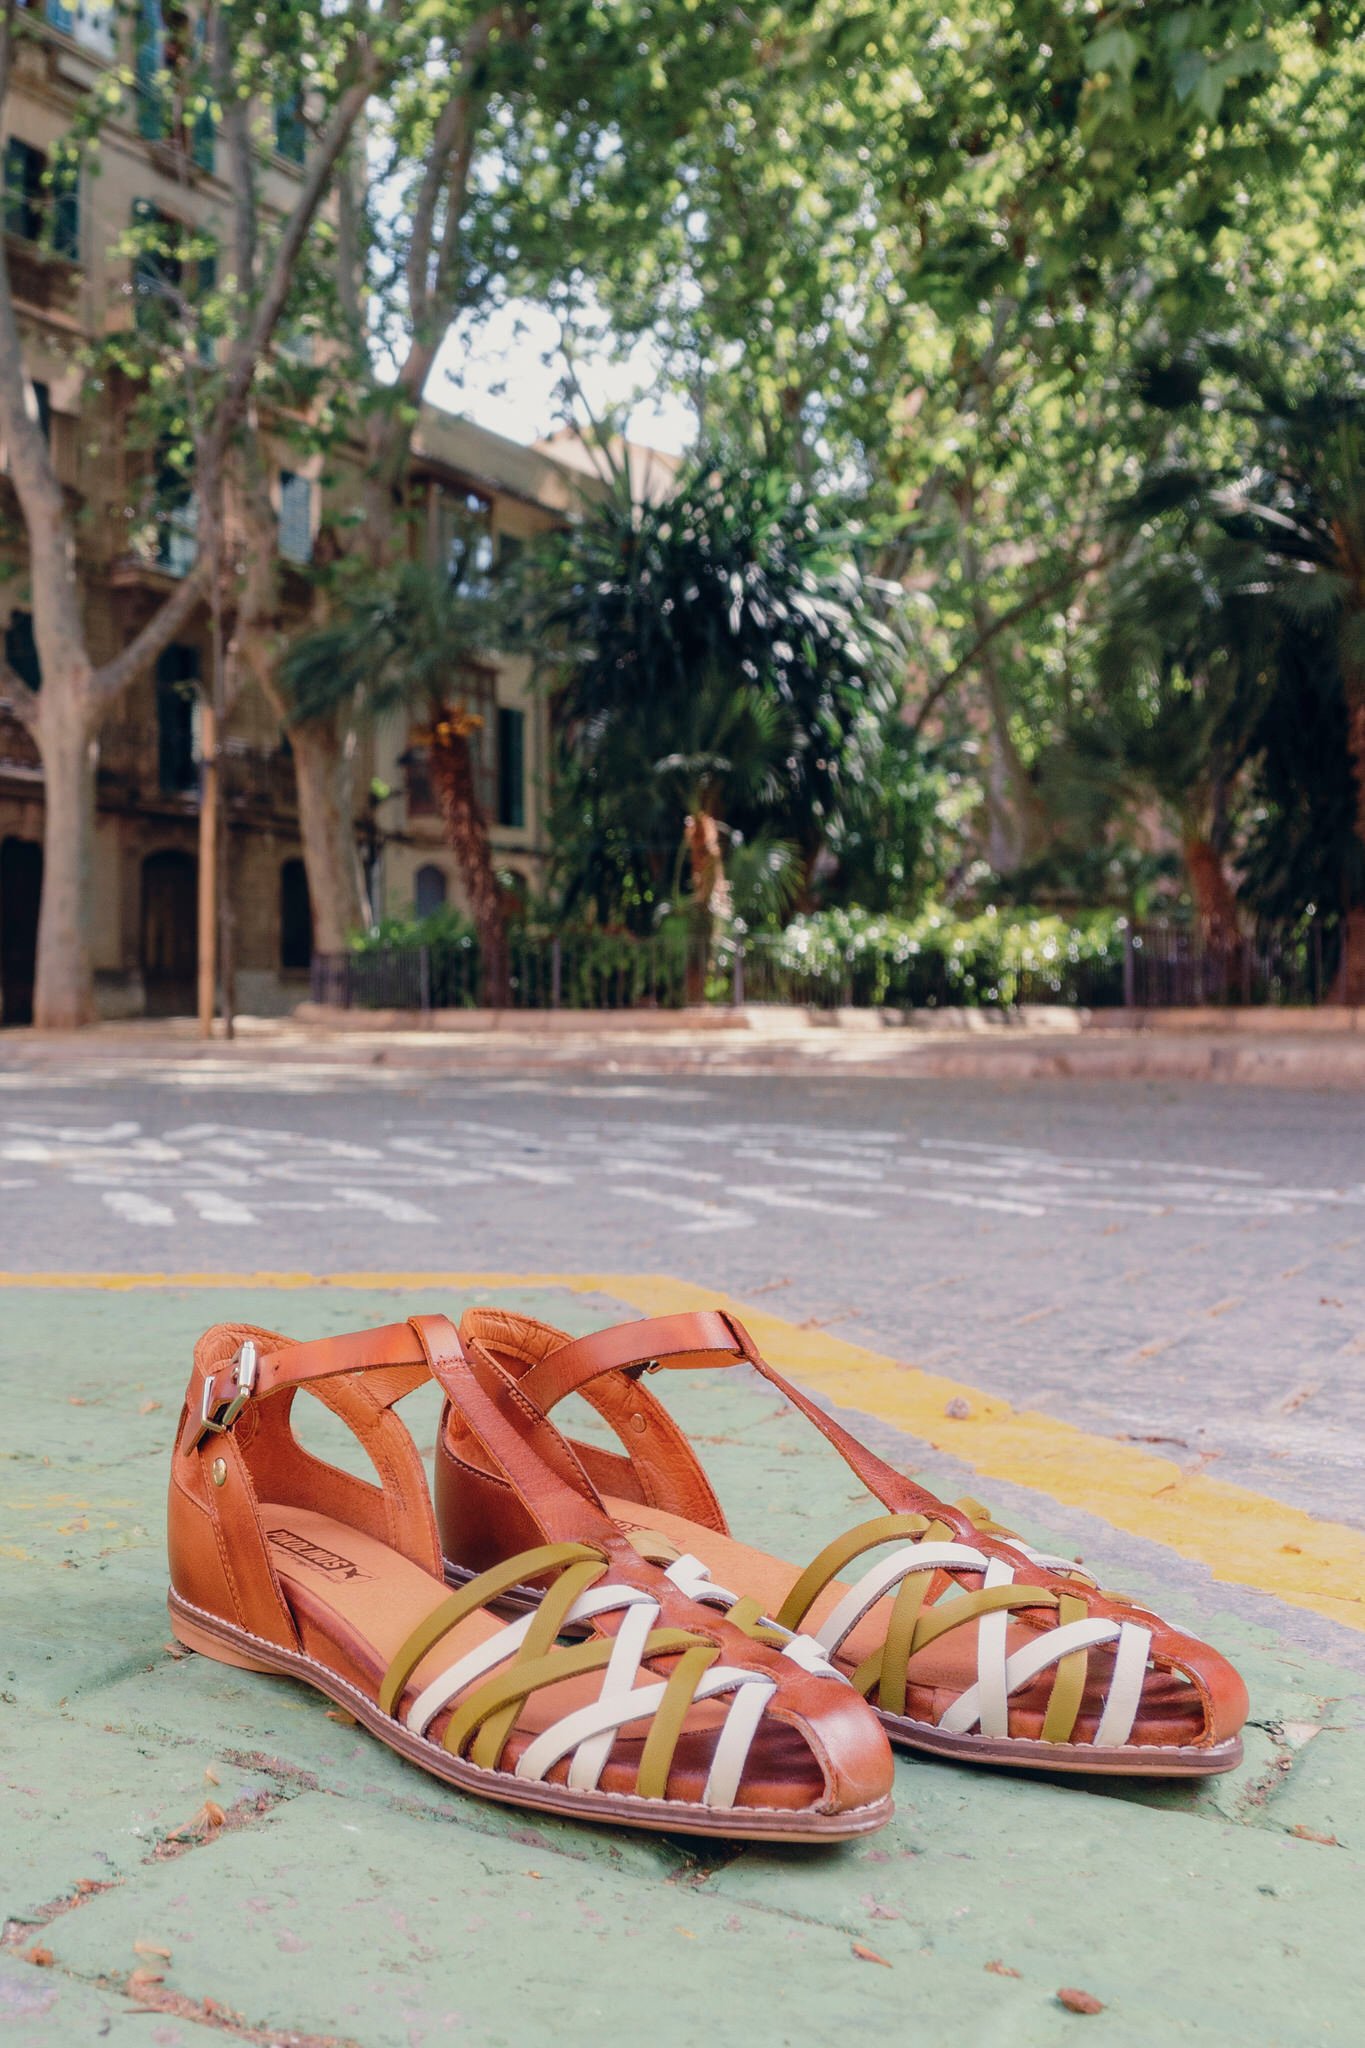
{"x":216,"y":1207}
{"x":135,"y":1208}
{"x":965,"y":1201}
{"x":392,"y":1206}
{"x":707,"y":1215}
{"x":1038,"y":1154}
{"x":659,"y":1166}
{"x":775,"y":1198}
{"x":548,"y":1176}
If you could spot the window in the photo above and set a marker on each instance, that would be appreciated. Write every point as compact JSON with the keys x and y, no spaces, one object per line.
{"x":42,"y":202}
{"x":511,"y":766}
{"x":158,"y":271}
{"x":177,"y":720}
{"x":296,"y":517}
{"x":291,"y":135}
{"x":296,"y":919}
{"x":88,"y":22}
{"x":21,"y":649}
{"x":463,"y":539}
{"x":175,"y":512}
{"x":173,"y":271}
{"x":415,"y":762}
{"x":429,"y":890}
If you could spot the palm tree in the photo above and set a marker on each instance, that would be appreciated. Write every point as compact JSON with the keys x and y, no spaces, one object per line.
{"x":1165,"y":722}
{"x":403,"y":641}
{"x":1285,"y":495}
{"x":725,"y":678}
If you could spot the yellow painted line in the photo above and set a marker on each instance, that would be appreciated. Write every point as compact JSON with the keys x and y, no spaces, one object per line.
{"x":1243,"y":1537}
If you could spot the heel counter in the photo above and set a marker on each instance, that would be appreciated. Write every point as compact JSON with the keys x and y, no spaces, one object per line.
{"x":197,"y":1569}
{"x":217,"y":1552}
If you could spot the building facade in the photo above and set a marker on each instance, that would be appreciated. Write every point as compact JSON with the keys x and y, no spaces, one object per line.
{"x":77,"y":275}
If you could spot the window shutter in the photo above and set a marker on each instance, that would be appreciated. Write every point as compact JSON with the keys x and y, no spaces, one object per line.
{"x":151,"y":64}
{"x":291,"y":136}
{"x":204,"y":130}
{"x":66,"y":210}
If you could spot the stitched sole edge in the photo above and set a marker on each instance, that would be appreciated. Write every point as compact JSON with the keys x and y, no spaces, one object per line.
{"x":1011,"y":1752}
{"x":212,"y":1637}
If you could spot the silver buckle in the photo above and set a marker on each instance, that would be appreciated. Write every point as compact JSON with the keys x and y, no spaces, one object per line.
{"x":221,"y":1421}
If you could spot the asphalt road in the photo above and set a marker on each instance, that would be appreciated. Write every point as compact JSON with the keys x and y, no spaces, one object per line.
{"x":1174,"y":1265}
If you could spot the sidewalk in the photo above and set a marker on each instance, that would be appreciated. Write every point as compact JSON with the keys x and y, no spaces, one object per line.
{"x":1265,"y":1048}
{"x":343,"y":1897}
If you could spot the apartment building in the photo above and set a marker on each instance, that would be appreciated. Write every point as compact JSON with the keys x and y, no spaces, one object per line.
{"x":72,"y":284}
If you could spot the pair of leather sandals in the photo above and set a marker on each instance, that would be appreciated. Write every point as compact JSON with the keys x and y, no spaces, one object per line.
{"x":574,"y":1629}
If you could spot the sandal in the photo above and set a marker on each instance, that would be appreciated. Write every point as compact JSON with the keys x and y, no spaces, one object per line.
{"x":969,"y":1643}
{"x":657,"y":1713}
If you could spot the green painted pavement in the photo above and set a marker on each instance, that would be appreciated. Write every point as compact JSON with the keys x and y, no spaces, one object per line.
{"x":349,"y":1897}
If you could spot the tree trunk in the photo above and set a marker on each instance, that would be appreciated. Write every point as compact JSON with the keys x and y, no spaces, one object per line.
{"x":64,"y":995}
{"x":452,"y":772}
{"x":1214,"y":903}
{"x":710,"y":898}
{"x":1016,"y":821}
{"x":330,"y":857}
{"x":1350,"y":982}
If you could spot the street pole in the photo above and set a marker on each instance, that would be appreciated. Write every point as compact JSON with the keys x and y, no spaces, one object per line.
{"x":210,"y":801}
{"x":216,"y":963}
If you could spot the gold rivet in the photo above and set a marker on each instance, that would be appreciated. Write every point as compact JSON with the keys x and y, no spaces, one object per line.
{"x":639,"y":1423}
{"x":220,"y":1471}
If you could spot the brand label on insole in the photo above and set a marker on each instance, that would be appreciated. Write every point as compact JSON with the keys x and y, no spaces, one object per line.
{"x":325,"y":1561}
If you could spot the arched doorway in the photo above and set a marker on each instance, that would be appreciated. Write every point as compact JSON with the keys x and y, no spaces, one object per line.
{"x":170,"y":933}
{"x":21,"y":887}
{"x":296,"y":919}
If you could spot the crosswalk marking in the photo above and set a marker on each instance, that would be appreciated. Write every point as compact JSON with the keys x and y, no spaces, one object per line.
{"x":726,"y":1172}
{"x":135,"y":1208}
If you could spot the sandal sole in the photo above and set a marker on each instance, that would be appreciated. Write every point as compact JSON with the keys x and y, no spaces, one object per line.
{"x":1018,"y":1753}
{"x":1132,"y":1760}
{"x":211,"y":1637}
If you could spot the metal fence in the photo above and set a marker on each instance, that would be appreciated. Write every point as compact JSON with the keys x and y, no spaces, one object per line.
{"x":1152,"y":965}
{"x":566,"y":972}
{"x":1179,"y":967}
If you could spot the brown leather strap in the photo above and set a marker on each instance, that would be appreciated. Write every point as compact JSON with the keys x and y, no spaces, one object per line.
{"x":900,"y":1494}
{"x":715,"y":1337}
{"x":525,"y":1446}
{"x":708,"y":1337}
{"x":393,"y":1350}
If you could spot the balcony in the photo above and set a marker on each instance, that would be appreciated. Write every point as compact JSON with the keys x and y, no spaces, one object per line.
{"x":40,"y":280}
{"x":18,"y":749}
{"x":134,"y":767}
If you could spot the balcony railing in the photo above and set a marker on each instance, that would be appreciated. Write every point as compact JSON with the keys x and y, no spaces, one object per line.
{"x":255,"y":777}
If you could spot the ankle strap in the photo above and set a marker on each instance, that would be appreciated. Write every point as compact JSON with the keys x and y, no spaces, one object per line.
{"x":396,"y":1349}
{"x":715,"y":1337}
{"x":707,"y":1337}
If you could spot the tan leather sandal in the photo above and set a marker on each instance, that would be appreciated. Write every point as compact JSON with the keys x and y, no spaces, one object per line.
{"x":969,"y":1643}
{"x":656,"y":1713}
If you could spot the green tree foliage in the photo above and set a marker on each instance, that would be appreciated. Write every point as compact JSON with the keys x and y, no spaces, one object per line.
{"x":1262,"y":485}
{"x":725,"y":664}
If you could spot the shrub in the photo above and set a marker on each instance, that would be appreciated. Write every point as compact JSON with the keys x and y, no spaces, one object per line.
{"x":995,"y":958}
